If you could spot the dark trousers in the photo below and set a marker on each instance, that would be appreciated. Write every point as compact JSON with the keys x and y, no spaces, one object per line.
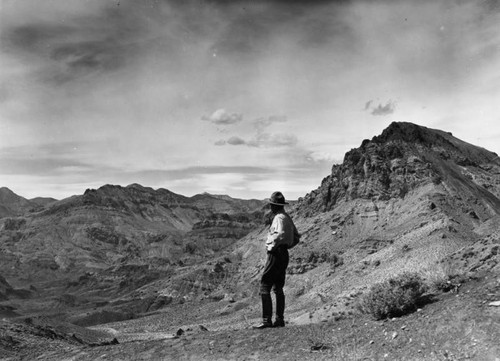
{"x":273,"y":278}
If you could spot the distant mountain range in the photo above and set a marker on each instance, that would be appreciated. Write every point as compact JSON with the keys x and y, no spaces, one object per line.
{"x":59,"y":241}
{"x":12,"y":204}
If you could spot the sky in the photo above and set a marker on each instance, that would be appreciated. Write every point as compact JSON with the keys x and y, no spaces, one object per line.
{"x":232,"y":97}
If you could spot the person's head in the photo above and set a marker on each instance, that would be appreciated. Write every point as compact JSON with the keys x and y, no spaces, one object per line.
{"x":277,"y":202}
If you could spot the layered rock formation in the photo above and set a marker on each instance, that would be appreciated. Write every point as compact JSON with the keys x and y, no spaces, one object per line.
{"x":406,"y":156}
{"x":411,"y":199}
{"x":113,"y":240}
{"x":406,"y":200}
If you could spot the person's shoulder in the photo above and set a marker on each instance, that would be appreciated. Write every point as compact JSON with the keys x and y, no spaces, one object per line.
{"x":284,"y":217}
{"x":281,"y":215}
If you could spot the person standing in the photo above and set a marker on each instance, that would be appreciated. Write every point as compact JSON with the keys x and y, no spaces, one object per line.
{"x":282,"y":236}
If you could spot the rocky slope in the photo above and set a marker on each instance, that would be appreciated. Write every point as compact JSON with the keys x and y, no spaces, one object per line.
{"x":411,"y":199}
{"x":404,"y":157}
{"x":86,"y":251}
{"x":406,"y":200}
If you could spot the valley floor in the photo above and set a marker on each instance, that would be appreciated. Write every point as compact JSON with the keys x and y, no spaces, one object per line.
{"x":463,"y":326}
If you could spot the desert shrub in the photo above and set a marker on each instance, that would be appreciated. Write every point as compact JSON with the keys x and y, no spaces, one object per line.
{"x":312,"y":260}
{"x":190,"y":248}
{"x":443,"y":277}
{"x":394,"y":297}
{"x":14,"y":224}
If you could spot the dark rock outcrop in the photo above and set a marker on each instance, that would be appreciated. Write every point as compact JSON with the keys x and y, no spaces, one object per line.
{"x":403,"y":157}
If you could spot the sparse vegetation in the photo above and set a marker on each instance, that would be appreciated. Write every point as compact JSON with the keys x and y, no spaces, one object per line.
{"x":442,"y":277}
{"x":156,"y":262}
{"x":313,"y":260}
{"x":14,"y":224}
{"x":394,"y":297}
{"x":190,"y":248}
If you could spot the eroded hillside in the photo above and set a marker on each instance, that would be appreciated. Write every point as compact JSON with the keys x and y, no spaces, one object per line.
{"x":404,"y":201}
{"x":101,"y":247}
{"x":411,"y":199}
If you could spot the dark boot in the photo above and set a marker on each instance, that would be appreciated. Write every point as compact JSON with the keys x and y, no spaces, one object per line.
{"x":280,"y":309}
{"x":279,"y":322}
{"x":264,"y":324}
{"x":267,"y":312}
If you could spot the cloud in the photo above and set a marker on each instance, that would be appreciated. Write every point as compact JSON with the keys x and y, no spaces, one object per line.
{"x":47,"y":159}
{"x":83,"y":57}
{"x":262,"y":123}
{"x":34,"y":37}
{"x":235,"y":141}
{"x":99,"y":39}
{"x":380,"y":109}
{"x":384,"y":109}
{"x":221,"y":116}
{"x":320,"y":157}
{"x":261,"y":138}
{"x":269,"y":140}
{"x":42,"y":166}
{"x":368,"y":104}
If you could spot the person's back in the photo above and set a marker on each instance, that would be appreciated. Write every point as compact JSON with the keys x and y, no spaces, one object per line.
{"x":281,"y":231}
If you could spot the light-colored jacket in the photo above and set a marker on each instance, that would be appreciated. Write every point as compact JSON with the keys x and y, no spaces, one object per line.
{"x":281,"y":231}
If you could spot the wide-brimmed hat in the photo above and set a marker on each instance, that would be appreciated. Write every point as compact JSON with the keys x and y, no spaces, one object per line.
{"x":277,"y":198}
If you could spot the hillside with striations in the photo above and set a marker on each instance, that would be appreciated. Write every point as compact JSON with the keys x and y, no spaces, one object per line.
{"x":106,"y":243}
{"x":412,"y":199}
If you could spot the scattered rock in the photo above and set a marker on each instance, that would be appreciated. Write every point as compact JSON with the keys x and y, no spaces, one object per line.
{"x":319,"y":347}
{"x":229,"y":298}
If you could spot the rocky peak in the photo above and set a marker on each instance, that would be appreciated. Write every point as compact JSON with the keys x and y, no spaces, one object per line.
{"x":441,"y":142}
{"x":411,"y":133}
{"x":403,"y":157}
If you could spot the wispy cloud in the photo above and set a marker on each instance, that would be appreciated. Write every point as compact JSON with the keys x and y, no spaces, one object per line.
{"x":260,"y":138}
{"x":270,"y":140}
{"x":262,"y":123}
{"x":48,"y":159}
{"x":221,"y":116}
{"x":235,"y":141}
{"x":380,"y":109}
{"x":99,"y":42}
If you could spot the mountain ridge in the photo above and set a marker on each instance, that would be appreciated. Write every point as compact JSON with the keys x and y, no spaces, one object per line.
{"x":402,"y":157}
{"x":412,"y":199}
{"x":399,"y":203}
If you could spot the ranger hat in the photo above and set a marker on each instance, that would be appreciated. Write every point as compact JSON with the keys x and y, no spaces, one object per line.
{"x":277,"y":198}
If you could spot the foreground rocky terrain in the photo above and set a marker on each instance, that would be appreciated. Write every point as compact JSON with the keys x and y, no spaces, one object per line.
{"x":134,"y":273}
